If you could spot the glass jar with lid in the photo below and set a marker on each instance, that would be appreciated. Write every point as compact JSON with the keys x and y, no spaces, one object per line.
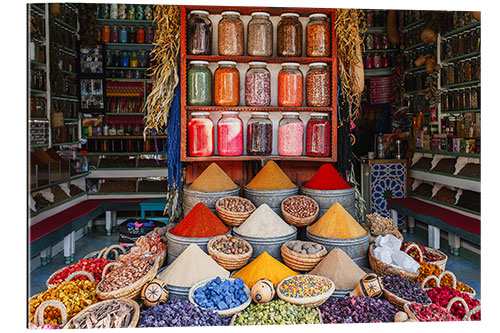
{"x":318,"y":36}
{"x":460,"y":44}
{"x":290,"y":135}
{"x":230,"y":34}
{"x":227,"y":84}
{"x":114,"y":34}
{"x":260,"y":35}
{"x":200,"y":135}
{"x":199,"y":83}
{"x":318,"y":135}
{"x":467,"y":101}
{"x":132,"y":34}
{"x":318,"y":85}
{"x":113,"y":11}
{"x":149,"y":35}
{"x":134,"y":59}
{"x":289,"y":35}
{"x":259,"y":134}
{"x":125,"y":60}
{"x":258,"y":84}
{"x":230,"y":134}
{"x":290,"y":85}
{"x":143,"y":59}
{"x":105,"y":34}
{"x":140,"y":35}
{"x":199,"y":33}
{"x":116,"y":58}
{"x":109,"y":58}
{"x":123,"y":37}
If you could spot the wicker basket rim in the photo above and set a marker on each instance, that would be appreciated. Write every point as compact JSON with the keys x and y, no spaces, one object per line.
{"x":313,"y":215}
{"x":384,"y":266}
{"x":306,"y":300}
{"x":436,"y":251}
{"x":211,"y":250}
{"x":410,"y":313}
{"x":235,"y":214}
{"x":320,"y":254}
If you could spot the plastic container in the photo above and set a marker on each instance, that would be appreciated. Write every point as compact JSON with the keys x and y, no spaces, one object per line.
{"x":230,"y":34}
{"x":318,"y":85}
{"x":318,"y":135}
{"x":318,"y":36}
{"x":291,"y":135}
{"x":227,"y":84}
{"x":290,"y":85}
{"x":289,"y":35}
{"x":199,"y":83}
{"x":200,"y":134}
{"x":260,"y":35}
{"x":258,"y":84}
{"x":199,"y":33}
{"x":230,"y":134}
{"x":259,"y":134}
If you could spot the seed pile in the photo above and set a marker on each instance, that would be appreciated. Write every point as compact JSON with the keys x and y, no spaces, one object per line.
{"x":117,"y":162}
{"x":59,"y":194}
{"x":213,"y":179}
{"x":357,"y":310}
{"x":472,"y":170}
{"x":303,"y":286}
{"x":304,"y":247}
{"x":300,"y":206}
{"x":117,"y":186}
{"x":277,"y":313}
{"x":264,"y":223}
{"x":41,"y":202}
{"x":159,"y":186}
{"x":405,"y":289}
{"x":112,"y":314}
{"x":446,"y":195}
{"x":470,"y":200}
{"x":126,"y":274}
{"x":337,"y":223}
{"x":270,"y":177}
{"x":74,"y":190}
{"x":443,"y":295}
{"x":327,"y":178}
{"x":432,"y":312}
{"x":231,"y":245}
{"x":236,"y":204}
{"x":423,"y":163}
{"x":424,"y":190}
{"x":446,"y":165}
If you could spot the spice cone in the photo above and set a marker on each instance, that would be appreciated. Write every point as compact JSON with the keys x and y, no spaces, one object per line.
{"x":213,"y":179}
{"x":337,"y":223}
{"x":271,"y":177}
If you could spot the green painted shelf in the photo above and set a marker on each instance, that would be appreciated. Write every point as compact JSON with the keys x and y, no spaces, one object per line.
{"x":36,"y":91}
{"x":462,"y":84}
{"x":447,"y":174}
{"x":415,"y":69}
{"x":440,"y":152}
{"x":416,"y":46}
{"x":37,"y":63}
{"x":463,"y":56}
{"x":122,"y":153}
{"x":64,"y":24}
{"x":38,"y":146}
{"x":378,"y":72}
{"x":38,"y":9}
{"x":81,"y":175}
{"x":130,"y":44}
{"x":35,"y":118}
{"x":68,"y":97}
{"x":445,"y":204}
{"x":66,"y":143}
{"x":70,"y":119}
{"x":126,"y":79}
{"x":68,"y":72}
{"x":383,"y":50}
{"x":116,"y":21}
{"x":58,"y":204}
{"x":458,"y":30}
{"x":462,"y":111}
{"x":375,"y":30}
{"x":414,"y":92}
{"x":125,"y":114}
{"x":414,"y":24}
{"x":135,"y":68}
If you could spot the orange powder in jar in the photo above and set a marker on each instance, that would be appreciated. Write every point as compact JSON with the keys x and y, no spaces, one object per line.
{"x":227,"y":84}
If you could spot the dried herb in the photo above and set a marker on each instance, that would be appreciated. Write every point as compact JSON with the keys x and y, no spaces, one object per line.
{"x":424,"y":190}
{"x":446,"y":195}
{"x":423,"y":163}
{"x":470,"y":200}
{"x":446,"y":165}
{"x":472,"y":170}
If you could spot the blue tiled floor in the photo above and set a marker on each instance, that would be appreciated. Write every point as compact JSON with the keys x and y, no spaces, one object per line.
{"x":465,"y":270}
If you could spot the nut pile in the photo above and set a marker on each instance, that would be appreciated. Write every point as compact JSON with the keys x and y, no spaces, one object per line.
{"x":124,"y":275}
{"x":300,"y":206}
{"x":304,"y":247}
{"x":236,"y":205}
{"x":230,"y":245}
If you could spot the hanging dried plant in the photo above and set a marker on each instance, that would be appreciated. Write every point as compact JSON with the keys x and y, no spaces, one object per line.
{"x":89,"y":31}
{"x":350,"y":27}
{"x":164,"y":69}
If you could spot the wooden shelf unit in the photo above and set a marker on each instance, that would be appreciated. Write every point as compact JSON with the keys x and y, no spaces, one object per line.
{"x":246,"y":11}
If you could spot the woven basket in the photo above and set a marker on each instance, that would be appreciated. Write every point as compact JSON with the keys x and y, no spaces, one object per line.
{"x":131,"y":291}
{"x":438,"y":283}
{"x":468,"y":313}
{"x":38,"y":319}
{"x":229,"y":261}
{"x":307,"y":301}
{"x":222,"y":313}
{"x":299,"y":221}
{"x":302,"y":262}
{"x":396,"y":300}
{"x":133,"y":320}
{"x":232,"y":219}
{"x":382,"y":269}
{"x":233,"y":318}
{"x":440,"y":263}
{"x":103,"y":253}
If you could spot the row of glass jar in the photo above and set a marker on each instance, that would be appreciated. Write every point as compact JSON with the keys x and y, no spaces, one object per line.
{"x":201,"y":135}
{"x":463,"y":43}
{"x":116,"y":11}
{"x":412,"y":36}
{"x":456,"y":19}
{"x":65,"y":13}
{"x":123,"y":145}
{"x":259,"y":35}
{"x":415,"y":81}
{"x":38,"y":79}
{"x":121,"y":58}
{"x":63,"y":36}
{"x":126,"y":34}
{"x":461,"y":71}
{"x":410,"y":57}
{"x":461,"y":99}
{"x":376,"y":18}
{"x":258,"y":84}
{"x":377,"y":42}
{"x":409,"y":16}
{"x":378,"y":60}
{"x":124,"y":73}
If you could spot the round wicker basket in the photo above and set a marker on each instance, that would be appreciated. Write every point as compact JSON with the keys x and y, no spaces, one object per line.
{"x":229,"y":261}
{"x":233,"y":219}
{"x":38,"y":319}
{"x":302,"y":262}
{"x":299,"y":221}
{"x":438,"y":283}
{"x":307,"y":301}
{"x":396,"y":300}
{"x":382,"y":269}
{"x":233,"y":318}
{"x":440,"y":263}
{"x":468,"y":312}
{"x":134,"y":316}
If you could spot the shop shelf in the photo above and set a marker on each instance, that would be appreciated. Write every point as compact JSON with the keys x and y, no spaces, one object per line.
{"x":39,"y":118}
{"x":38,"y":39}
{"x":129,"y":173}
{"x":66,"y":143}
{"x":126,"y":195}
{"x":130,"y":44}
{"x":462,"y":111}
{"x":123,"y":137}
{"x":414,"y":92}
{"x":68,"y":72}
{"x":454,"y":208}
{"x":462,"y":84}
{"x":458,"y":30}
{"x":60,"y":203}
{"x":36,"y":91}
{"x":124,"y":114}
{"x":125,"y":79}
{"x":70,"y":119}
{"x":78,"y":176}
{"x":214,"y":108}
{"x":415,"y":69}
{"x":256,"y":158}
{"x":64,"y":24}
{"x":37,"y":63}
{"x":383,"y":50}
{"x":38,"y":8}
{"x":38,"y":146}
{"x":145,"y":153}
{"x":414,"y":24}
{"x":462,"y":182}
{"x":450,"y":153}
{"x":378,"y":71}
{"x":375,"y":30}
{"x":66,"y":97}
{"x":129,"y":22}
{"x":461,"y":57}
{"x":135,"y":68}
{"x":416,"y":46}
{"x":246,"y":59}
{"x":66,"y":49}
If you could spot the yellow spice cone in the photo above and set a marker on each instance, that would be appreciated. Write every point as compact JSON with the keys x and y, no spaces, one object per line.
{"x":270,"y":177}
{"x":337,"y":223}
{"x":213,"y":179}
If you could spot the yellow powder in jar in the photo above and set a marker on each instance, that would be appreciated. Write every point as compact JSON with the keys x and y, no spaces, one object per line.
{"x":271,"y":177}
{"x":337,"y":223}
{"x":213,"y":179}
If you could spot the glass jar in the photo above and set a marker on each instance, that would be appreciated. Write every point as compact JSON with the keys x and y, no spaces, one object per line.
{"x":259,"y":134}
{"x":260,"y":35}
{"x":199,"y":33}
{"x":369,"y":42}
{"x":444,"y":102}
{"x":113,"y":11}
{"x":123,"y":38}
{"x":200,"y":135}
{"x":105,"y":34}
{"x":461,"y":99}
{"x":318,"y":85}
{"x":318,"y":36}
{"x":474,"y":98}
{"x":116,"y":58}
{"x":125,"y":60}
{"x":318,"y":135}
{"x":134,"y":59}
{"x":289,"y":35}
{"x":474,"y":40}
{"x":258,"y":84}
{"x":454,"y":46}
{"x":377,"y":42}
{"x":290,"y":135}
{"x":230,"y":34}
{"x":290,"y":85}
{"x":139,"y":12}
{"x":377,"y":60}
{"x":467,"y":71}
{"x":230,"y":134}
{"x":114,"y":34}
{"x":369,"y":61}
{"x":450,"y":75}
{"x":467,"y":101}
{"x":466,"y":38}
{"x":104,"y":10}
{"x":140,"y":35}
{"x":460,"y":44}
{"x":143,"y":59}
{"x":451,"y":100}
{"x":132,"y":34}
{"x":476,"y":69}
{"x":109,"y":58}
{"x":199,"y":84}
{"x":149,"y":35}
{"x":148,"y":12}
{"x":227,"y":84}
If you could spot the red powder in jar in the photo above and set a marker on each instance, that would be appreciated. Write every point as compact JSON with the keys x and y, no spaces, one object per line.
{"x":327,"y":178}
{"x":200,"y":222}
{"x":289,"y":89}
